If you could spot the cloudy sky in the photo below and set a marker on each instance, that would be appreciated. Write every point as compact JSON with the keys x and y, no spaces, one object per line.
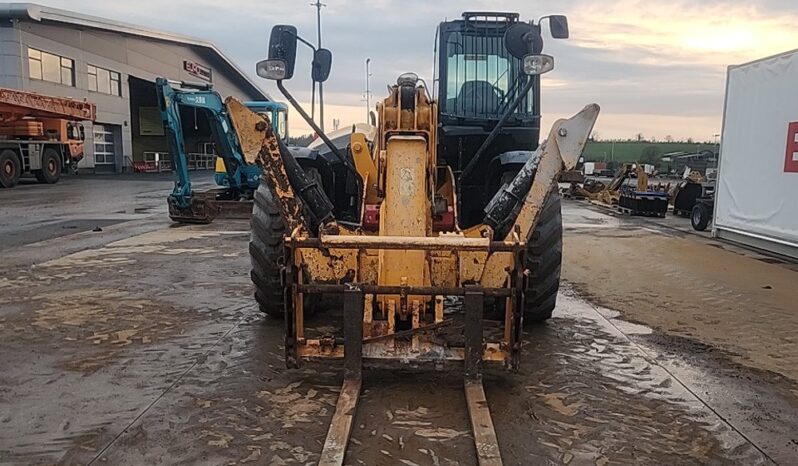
{"x":656,"y":68}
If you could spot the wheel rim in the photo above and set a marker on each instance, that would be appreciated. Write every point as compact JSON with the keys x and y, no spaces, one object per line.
{"x":697,"y":217}
{"x":8,"y":168}
{"x":51,"y":167}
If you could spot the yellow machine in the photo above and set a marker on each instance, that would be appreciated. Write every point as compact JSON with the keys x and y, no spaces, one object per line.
{"x":394,"y":280}
{"x":612,"y":192}
{"x":684,"y":194}
{"x":406,"y":251}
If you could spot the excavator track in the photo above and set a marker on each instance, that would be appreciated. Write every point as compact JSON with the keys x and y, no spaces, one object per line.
{"x":205,"y":207}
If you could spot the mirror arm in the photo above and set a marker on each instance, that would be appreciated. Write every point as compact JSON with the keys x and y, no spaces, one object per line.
{"x":318,"y":130}
{"x":305,"y":42}
{"x":496,"y":129}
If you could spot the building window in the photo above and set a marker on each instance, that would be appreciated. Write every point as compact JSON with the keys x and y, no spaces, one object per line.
{"x":104,"y":81}
{"x":50,"y":67}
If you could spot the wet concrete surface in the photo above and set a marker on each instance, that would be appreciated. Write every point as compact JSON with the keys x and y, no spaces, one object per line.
{"x":723,"y":316}
{"x":147,"y":348}
{"x":57,"y":229}
{"x":120,"y":205}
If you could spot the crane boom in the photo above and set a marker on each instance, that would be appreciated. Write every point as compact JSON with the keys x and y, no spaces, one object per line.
{"x":15,"y":105}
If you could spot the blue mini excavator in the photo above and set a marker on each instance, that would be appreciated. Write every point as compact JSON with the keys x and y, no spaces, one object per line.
{"x":237,"y":180}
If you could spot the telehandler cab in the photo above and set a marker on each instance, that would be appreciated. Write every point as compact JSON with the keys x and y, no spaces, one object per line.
{"x":452,"y":197}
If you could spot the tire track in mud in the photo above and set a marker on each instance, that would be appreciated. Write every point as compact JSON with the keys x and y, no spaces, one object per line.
{"x":91,"y":338}
{"x":174,"y":384}
{"x":618,"y":325}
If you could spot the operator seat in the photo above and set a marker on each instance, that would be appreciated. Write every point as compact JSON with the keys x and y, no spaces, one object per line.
{"x":478,"y":98}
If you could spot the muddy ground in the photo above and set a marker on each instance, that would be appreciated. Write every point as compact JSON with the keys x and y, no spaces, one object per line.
{"x":141,"y":344}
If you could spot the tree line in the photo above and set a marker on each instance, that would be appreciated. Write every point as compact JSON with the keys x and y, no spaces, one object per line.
{"x":640,"y":138}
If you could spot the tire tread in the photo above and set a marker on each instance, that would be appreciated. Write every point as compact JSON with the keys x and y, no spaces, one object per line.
{"x":266,"y":252}
{"x":544,"y":260}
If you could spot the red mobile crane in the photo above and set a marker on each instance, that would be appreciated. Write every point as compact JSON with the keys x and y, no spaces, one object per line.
{"x":40,"y":134}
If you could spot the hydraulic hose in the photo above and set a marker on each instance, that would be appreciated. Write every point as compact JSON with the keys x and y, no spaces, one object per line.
{"x":499,"y":211}
{"x":312,"y":195}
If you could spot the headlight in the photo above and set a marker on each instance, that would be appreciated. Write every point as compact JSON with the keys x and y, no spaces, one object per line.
{"x":538,"y":64}
{"x":271,"y":69}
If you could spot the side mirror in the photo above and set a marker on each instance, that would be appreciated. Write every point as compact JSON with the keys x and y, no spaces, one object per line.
{"x":558,"y":25}
{"x":282,"y":47}
{"x":538,"y":64}
{"x":322,"y":63}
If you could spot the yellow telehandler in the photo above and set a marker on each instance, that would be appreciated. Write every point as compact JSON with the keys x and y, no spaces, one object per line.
{"x":453,"y":196}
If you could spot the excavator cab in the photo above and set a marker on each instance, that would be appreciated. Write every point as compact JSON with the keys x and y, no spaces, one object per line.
{"x":277,"y":112}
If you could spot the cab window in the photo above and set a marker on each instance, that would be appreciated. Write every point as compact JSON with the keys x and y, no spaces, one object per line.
{"x":282,"y":124}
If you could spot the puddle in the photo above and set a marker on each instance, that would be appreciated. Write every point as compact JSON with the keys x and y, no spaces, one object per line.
{"x":590,"y":395}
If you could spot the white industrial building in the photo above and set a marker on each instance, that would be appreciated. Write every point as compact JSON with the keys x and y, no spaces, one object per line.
{"x":114,"y":65}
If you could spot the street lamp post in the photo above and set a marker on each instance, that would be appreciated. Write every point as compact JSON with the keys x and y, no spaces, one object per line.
{"x":368,"y":89}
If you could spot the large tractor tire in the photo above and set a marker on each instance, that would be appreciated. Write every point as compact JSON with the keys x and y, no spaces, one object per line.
{"x":699,"y":217}
{"x":544,"y":260}
{"x":266,"y":252}
{"x":10,"y":168}
{"x":51,"y":167}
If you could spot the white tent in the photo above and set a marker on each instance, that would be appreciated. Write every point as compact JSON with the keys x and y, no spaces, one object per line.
{"x":756,"y":199}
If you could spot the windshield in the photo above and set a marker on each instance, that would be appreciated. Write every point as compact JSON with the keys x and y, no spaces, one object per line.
{"x":481,"y":76}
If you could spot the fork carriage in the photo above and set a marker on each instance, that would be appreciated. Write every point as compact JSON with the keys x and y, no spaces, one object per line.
{"x":404,"y":322}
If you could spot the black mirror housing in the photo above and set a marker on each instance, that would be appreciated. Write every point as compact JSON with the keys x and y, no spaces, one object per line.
{"x":322,"y":63}
{"x":558,"y":25}
{"x":282,"y":46}
{"x":521,"y":39}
